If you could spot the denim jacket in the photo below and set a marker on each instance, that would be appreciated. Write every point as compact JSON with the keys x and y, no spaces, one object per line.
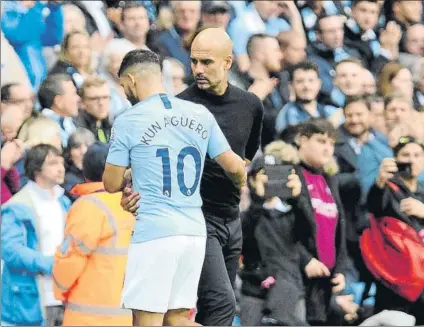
{"x":22,"y":294}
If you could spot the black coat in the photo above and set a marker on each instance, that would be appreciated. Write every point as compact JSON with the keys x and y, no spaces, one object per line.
{"x":87,"y":121}
{"x":270,"y":248}
{"x":371,"y":62}
{"x":318,"y":290}
{"x":349,"y":187}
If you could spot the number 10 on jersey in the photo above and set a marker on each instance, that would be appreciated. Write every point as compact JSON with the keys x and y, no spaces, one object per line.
{"x":167,"y":170}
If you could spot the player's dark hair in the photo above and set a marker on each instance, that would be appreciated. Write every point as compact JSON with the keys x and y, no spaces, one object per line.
{"x":136,"y":57}
{"x":94,"y":162}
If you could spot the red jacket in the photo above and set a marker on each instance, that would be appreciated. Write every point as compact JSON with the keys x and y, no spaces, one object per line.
{"x":394,"y":254}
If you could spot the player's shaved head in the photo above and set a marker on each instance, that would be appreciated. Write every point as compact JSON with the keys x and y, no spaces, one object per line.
{"x":211,"y":59}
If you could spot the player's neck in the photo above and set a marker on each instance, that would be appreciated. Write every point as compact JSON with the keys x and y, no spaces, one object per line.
{"x":146,"y":91}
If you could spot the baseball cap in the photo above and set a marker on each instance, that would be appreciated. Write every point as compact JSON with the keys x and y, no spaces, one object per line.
{"x":212,"y":7}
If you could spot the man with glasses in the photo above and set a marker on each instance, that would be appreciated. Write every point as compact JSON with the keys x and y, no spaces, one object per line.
{"x":18,"y":94}
{"x":95,"y":96}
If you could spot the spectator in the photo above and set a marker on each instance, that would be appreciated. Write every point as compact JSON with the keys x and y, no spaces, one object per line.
{"x":216,"y":14}
{"x":378,"y":122}
{"x":269,"y":250}
{"x":110,"y":63}
{"x":33,"y":222}
{"x":173,"y":71}
{"x":173,"y":41}
{"x":12,"y":119}
{"x":18,"y":18}
{"x":369,"y":84}
{"x":323,"y":254}
{"x":74,"y":21}
{"x":407,"y":13}
{"x":95,"y":96}
{"x":330,"y":48}
{"x":310,"y":13}
{"x":21,"y":96}
{"x":355,"y":131}
{"x":41,"y":130}
{"x":360,"y":31}
{"x":78,"y":144}
{"x":11,"y":152}
{"x":396,"y":78}
{"x":414,"y":40}
{"x":135,"y":24}
{"x":265,"y":60}
{"x":96,"y":18}
{"x":306,"y":85}
{"x":82,"y":269}
{"x":402,"y":200}
{"x":293,"y":49}
{"x":261,"y":17}
{"x":347,"y":82}
{"x":58,"y":96}
{"x":398,"y":112}
{"x":76,"y":58}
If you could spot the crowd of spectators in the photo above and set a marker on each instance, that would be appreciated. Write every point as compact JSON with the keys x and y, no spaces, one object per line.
{"x":342,"y":85}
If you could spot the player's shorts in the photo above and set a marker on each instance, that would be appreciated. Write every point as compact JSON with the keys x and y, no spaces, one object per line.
{"x":163,"y":274}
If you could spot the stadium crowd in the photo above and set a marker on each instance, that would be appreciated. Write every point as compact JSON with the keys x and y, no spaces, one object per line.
{"x":341,"y":85}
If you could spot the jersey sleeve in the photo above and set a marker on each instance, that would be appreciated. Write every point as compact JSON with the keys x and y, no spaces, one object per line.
{"x":119,"y":150}
{"x":218,"y":143}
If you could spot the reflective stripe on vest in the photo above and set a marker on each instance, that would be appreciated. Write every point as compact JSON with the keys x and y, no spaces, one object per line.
{"x":110,"y":217}
{"x":59,"y":285}
{"x":111,"y":251}
{"x":97,"y":309}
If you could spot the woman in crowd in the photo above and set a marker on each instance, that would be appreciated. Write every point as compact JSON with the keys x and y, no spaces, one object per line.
{"x":78,"y":143}
{"x":76,"y":57}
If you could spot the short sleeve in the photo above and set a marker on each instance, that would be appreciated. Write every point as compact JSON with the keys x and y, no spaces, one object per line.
{"x":119,"y":150}
{"x":218,"y":143}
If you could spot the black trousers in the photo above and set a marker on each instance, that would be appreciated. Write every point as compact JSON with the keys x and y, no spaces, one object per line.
{"x":216,"y":305}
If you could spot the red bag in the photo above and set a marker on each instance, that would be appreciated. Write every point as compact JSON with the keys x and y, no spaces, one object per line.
{"x":394,"y":254}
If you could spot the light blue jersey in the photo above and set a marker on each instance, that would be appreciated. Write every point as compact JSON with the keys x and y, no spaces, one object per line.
{"x":165,"y":141}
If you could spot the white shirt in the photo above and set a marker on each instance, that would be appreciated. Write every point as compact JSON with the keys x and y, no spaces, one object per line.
{"x":51,"y":228}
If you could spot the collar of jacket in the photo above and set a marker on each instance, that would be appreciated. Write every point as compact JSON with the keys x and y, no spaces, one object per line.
{"x":313,"y":170}
{"x":87,"y":188}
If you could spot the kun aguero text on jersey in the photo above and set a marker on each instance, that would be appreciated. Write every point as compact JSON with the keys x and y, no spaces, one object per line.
{"x":173,"y":121}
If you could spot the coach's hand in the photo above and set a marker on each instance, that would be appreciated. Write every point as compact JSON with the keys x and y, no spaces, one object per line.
{"x":129,"y":200}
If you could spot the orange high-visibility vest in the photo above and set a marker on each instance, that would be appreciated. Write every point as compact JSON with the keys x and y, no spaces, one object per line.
{"x":89,"y":266}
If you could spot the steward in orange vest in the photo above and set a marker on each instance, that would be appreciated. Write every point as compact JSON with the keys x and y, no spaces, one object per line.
{"x":89,"y":266}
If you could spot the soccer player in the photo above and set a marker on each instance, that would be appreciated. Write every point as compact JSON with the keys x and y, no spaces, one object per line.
{"x":239,"y":114}
{"x":165,"y":141}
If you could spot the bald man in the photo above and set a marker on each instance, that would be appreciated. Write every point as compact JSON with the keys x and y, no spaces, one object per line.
{"x":239,"y":115}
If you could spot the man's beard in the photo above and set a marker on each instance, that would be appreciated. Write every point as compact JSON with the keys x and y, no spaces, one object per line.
{"x":132,"y":98}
